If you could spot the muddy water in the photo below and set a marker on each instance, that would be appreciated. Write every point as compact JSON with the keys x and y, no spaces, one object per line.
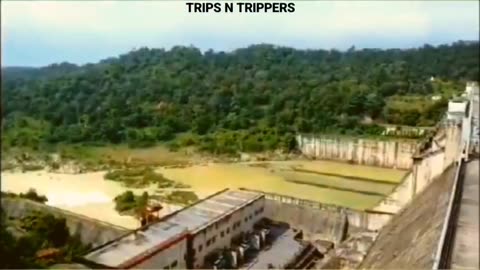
{"x":344,"y":169}
{"x":271,"y":178}
{"x":87,"y":194}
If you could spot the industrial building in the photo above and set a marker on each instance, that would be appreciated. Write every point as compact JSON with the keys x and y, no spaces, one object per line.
{"x":184,"y":239}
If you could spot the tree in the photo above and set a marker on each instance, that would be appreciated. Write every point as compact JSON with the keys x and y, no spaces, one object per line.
{"x":154,"y":95}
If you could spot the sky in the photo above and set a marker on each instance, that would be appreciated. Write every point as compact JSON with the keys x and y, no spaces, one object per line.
{"x":38,"y":33}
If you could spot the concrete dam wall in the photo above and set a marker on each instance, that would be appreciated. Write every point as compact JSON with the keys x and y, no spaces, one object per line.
{"x":91,"y":231}
{"x":332,"y":223}
{"x":427,"y":167}
{"x":409,"y":241}
{"x":324,"y":224}
{"x":322,"y":221}
{"x":389,"y":153}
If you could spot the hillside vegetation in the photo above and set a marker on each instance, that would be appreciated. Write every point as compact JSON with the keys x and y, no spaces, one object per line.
{"x":252,"y":99}
{"x":36,"y":241}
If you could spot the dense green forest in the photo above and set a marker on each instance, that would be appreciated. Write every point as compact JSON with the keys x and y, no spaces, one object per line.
{"x":250,"y":99}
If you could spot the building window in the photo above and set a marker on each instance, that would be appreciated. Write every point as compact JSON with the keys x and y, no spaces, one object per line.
{"x":200,"y":248}
{"x":174,"y":264}
{"x":222,"y":234}
{"x":228,"y":230}
{"x":246,"y":218}
{"x":250,"y":216}
{"x":208,"y":242}
{"x":214,"y":239}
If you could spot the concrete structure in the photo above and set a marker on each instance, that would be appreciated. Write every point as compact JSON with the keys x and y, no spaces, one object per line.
{"x":320,"y":221}
{"x":473,"y":93}
{"x":284,"y":250}
{"x":184,"y":238}
{"x":422,"y":235}
{"x":465,"y":245}
{"x":91,"y":231}
{"x":472,"y":88}
{"x":388,"y":153}
{"x":456,"y":110}
{"x":427,"y":166}
{"x":409,"y":240}
{"x":454,"y":247}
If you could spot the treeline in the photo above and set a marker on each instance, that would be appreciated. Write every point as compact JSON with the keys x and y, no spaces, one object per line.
{"x":251,"y":99}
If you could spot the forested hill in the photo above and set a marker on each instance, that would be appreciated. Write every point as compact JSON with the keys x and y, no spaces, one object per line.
{"x":250,"y":99}
{"x":30,"y":73}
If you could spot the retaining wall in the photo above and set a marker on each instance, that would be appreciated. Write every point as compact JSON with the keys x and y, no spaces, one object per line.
{"x":91,"y":231}
{"x":389,"y":153}
{"x":427,"y":166}
{"x":327,"y":222}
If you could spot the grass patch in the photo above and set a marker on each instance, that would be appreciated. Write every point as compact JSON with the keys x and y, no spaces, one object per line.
{"x":94,"y":157}
{"x":129,"y":202}
{"x":7,"y":166}
{"x":354,"y":178}
{"x":259,"y":165}
{"x":345,"y":170}
{"x":139,"y":157}
{"x":339,"y":183}
{"x":31,"y":167}
{"x":31,"y":194}
{"x":181,"y":197}
{"x":141,"y":177}
{"x":335,"y":187}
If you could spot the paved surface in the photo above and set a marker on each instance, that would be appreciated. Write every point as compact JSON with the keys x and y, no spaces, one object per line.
{"x":465,"y":247}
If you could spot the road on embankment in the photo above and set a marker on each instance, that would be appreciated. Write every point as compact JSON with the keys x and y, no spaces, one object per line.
{"x":466,"y":243}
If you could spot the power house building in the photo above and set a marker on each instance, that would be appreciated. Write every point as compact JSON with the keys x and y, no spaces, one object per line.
{"x":184,"y":238}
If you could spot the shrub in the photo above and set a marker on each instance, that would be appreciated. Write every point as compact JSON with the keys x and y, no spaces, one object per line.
{"x":34,"y":196}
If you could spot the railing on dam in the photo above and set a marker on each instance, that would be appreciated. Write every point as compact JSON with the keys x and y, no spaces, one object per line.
{"x":311,"y":204}
{"x":292,"y":200}
{"x":443,"y":252}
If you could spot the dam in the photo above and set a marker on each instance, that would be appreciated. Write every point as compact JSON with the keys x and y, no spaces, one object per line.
{"x":426,"y":222}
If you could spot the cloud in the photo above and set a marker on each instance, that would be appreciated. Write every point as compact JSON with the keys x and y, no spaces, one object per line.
{"x":120,"y":25}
